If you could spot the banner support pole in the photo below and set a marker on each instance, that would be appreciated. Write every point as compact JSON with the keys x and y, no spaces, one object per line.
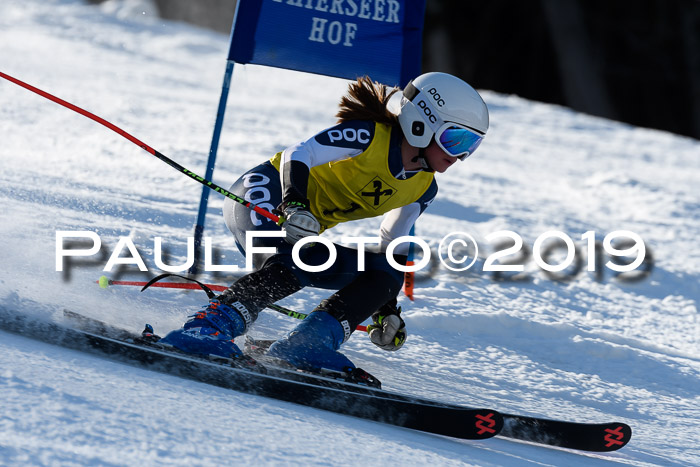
{"x":211,"y":161}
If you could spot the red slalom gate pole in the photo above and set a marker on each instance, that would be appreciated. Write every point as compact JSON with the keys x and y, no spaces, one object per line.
{"x":143,"y":146}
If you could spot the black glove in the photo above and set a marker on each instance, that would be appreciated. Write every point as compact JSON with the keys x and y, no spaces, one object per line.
{"x":298,"y":221}
{"x":388,"y":329}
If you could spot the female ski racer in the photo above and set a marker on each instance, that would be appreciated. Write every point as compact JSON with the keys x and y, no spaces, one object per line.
{"x":373,"y":162}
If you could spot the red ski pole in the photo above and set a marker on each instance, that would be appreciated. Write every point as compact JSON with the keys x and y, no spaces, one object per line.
{"x":144,"y":146}
{"x":105,"y":282}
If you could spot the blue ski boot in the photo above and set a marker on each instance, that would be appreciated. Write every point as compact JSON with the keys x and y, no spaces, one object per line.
{"x":314,"y":344}
{"x":210,"y":332}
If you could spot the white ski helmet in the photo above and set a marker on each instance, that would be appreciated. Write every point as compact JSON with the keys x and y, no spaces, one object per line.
{"x":433,"y":100}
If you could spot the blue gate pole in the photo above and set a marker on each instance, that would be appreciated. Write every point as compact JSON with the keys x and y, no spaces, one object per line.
{"x":203,"y":201}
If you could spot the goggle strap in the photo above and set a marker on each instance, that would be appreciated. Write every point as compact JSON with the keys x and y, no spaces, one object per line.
{"x":410,"y":91}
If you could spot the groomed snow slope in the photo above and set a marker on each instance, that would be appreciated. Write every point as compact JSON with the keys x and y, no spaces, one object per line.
{"x":585,"y":350}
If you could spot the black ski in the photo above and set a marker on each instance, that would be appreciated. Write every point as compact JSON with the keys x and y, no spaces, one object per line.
{"x":582,"y":436}
{"x":305,"y":389}
{"x":600,"y":437}
{"x":328,"y":393}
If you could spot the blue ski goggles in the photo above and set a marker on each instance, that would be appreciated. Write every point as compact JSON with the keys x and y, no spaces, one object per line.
{"x":457,"y":140}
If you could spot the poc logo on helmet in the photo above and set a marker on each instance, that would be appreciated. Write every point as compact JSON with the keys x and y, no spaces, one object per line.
{"x":426,"y":110}
{"x":349,"y":134}
{"x":438,"y":100}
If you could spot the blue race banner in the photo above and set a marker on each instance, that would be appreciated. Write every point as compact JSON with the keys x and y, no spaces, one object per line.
{"x":341,"y":38}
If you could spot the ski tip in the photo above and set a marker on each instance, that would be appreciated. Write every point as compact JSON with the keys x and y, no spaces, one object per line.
{"x":487,"y":423}
{"x":615,"y":436}
{"x":594,"y":437}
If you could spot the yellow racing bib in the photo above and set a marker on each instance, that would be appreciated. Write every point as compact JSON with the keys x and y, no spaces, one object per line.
{"x":361,"y":186}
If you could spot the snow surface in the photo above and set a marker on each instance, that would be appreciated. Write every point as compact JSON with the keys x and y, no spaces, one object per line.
{"x":585,"y":350}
